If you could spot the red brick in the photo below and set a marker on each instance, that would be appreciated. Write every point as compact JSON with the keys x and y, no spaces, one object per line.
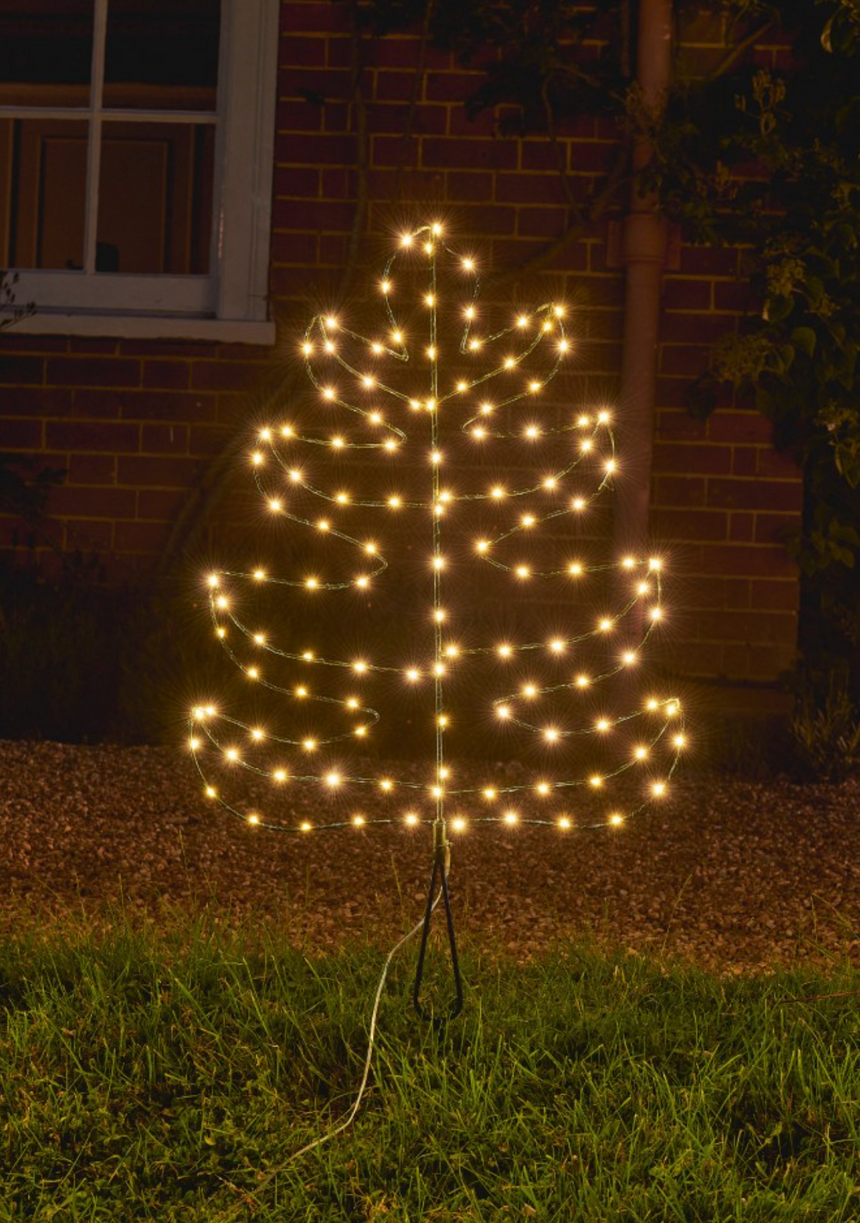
{"x":292,"y":116}
{"x":292,"y":282}
{"x":747,"y":626}
{"x":99,"y":435}
{"x":169,"y":405}
{"x":206,"y":440}
{"x":736,"y":296}
{"x":388,"y":117}
{"x":314,"y":16}
{"x":750,"y":560}
{"x":709,"y":261}
{"x":169,"y":348}
{"x":678,"y":491}
{"x":573,"y":257}
{"x":12,"y":342}
{"x":685,"y":294}
{"x":296,"y":182}
{"x":302,"y":52}
{"x":387,"y":184}
{"x":689,"y":524}
{"x":529,"y":189}
{"x":541,"y":222}
{"x":600,"y":325}
{"x":174,"y":375}
{"x":689,"y":359}
{"x":294,"y":248}
{"x":103,"y":405}
{"x":225,"y":375}
{"x":774,"y":528}
{"x":337,"y":185}
{"x":91,"y":469}
{"x":782,"y":466}
{"x":726,"y":426}
{"x":21,"y":370}
{"x":702,"y":592}
{"x":451,"y":86}
{"x":592,"y":156}
{"x":332,"y":250}
{"x":93,"y":502}
{"x":20,"y":434}
{"x":741,"y":527}
{"x":539,"y":155}
{"x":784,"y":596}
{"x":695,"y":459}
{"x":319,"y":149}
{"x":674,"y":393}
{"x":150,"y":472}
{"x":745,"y":460}
{"x":754,"y":494}
{"x":330,"y":84}
{"x":737,"y":592}
{"x":696,"y":658}
{"x":89,"y":533}
{"x":94,"y":371}
{"x":164,"y":439}
{"x":315,"y":215}
{"x":692,"y":328}
{"x":468,"y":154}
{"x":461,"y":123}
{"x":160,"y":504}
{"x":395,"y":86}
{"x":678,"y":426}
{"x":336,"y":117}
{"x":139,"y":536}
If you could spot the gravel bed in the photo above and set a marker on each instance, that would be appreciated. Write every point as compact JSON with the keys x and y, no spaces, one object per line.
{"x":736,"y":876}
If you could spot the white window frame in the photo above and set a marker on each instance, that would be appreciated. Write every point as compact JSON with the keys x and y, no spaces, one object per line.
{"x":231,"y":302}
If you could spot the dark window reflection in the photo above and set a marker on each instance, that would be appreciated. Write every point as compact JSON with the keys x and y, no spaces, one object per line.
{"x":45,"y":42}
{"x":158,"y":47}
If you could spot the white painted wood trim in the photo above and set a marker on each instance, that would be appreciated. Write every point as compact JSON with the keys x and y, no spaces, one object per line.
{"x":106,"y":291}
{"x":236,"y":293}
{"x":246,"y":106}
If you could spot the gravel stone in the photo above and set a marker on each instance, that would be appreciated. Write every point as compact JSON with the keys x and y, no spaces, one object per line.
{"x":736,"y":876}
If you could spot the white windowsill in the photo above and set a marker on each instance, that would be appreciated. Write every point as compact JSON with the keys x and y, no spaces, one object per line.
{"x":152,"y":327}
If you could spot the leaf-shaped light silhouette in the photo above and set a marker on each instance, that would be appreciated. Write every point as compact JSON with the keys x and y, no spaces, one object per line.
{"x":438,"y":479}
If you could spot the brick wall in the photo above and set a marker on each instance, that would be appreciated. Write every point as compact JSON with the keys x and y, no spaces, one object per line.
{"x":135,"y":422}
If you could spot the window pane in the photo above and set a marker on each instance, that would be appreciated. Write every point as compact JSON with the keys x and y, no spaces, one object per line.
{"x":43,"y":170}
{"x":162,"y":54}
{"x":155,"y":197}
{"x":46,"y":49}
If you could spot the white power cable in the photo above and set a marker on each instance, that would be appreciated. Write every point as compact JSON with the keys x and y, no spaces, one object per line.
{"x":351,"y":1114}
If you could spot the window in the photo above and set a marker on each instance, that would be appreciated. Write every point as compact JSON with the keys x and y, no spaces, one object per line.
{"x":136,"y":152}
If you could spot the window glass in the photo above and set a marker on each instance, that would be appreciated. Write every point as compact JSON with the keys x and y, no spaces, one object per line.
{"x":155,"y":198}
{"x":162,"y":54}
{"x":43,"y":196}
{"x":46,"y":49}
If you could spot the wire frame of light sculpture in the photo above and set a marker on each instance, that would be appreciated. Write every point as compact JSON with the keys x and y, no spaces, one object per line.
{"x":415,"y":435}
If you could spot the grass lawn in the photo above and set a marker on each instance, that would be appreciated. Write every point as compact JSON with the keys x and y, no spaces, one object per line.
{"x":169,"y":1076}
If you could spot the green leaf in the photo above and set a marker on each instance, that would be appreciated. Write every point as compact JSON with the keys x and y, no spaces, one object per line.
{"x":805,"y":339}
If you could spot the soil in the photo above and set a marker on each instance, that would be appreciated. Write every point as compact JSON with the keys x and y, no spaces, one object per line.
{"x":736,"y":876}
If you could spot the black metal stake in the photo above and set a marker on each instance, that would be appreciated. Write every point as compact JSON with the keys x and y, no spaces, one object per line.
{"x":441,"y":863}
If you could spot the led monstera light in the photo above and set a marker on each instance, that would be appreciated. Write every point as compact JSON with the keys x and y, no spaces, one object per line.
{"x":434,"y":489}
